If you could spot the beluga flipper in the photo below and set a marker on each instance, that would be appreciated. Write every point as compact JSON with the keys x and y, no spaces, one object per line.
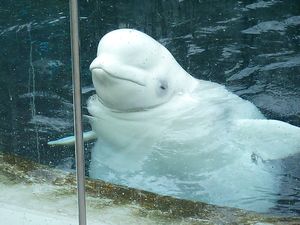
{"x":70,"y":140}
{"x":269,"y":139}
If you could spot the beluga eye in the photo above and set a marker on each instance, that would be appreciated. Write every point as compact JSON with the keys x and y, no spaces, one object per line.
{"x":163,"y":84}
{"x":163,"y":87}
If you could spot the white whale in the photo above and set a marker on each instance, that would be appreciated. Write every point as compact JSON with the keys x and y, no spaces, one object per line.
{"x":162,"y":130}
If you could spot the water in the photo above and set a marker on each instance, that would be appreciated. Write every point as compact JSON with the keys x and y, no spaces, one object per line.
{"x":250,"y":46}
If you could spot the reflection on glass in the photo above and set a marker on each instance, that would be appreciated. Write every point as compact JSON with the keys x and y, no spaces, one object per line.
{"x":31,"y":66}
{"x":250,"y":47}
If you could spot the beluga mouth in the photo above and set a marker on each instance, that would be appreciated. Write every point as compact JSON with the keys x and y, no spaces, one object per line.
{"x":116,"y":70}
{"x":99,"y":70}
{"x":118,"y":86}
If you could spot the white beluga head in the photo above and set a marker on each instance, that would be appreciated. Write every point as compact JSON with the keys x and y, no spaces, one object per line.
{"x":132,"y":71}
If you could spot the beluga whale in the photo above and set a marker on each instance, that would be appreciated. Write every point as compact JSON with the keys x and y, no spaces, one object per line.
{"x":160,"y":129}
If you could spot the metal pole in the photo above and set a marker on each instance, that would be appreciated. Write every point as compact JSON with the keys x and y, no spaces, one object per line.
{"x":80,"y":167}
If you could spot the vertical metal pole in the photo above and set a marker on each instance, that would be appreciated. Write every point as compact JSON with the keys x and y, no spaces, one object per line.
{"x":80,"y":168}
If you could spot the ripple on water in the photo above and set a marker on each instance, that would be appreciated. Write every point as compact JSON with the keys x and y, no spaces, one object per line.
{"x":273,"y":25}
{"x":261,"y":4}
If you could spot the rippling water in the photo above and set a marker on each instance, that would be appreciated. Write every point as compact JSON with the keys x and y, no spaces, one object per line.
{"x":250,"y":46}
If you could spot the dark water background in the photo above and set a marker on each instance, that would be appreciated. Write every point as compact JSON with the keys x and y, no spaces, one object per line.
{"x":252,"y":47}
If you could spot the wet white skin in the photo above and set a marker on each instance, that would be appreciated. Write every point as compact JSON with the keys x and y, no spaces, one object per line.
{"x":161,"y":130}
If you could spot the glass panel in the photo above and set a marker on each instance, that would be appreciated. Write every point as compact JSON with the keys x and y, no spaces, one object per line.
{"x":164,"y":154}
{"x":194,"y":145}
{"x":36,"y":103}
